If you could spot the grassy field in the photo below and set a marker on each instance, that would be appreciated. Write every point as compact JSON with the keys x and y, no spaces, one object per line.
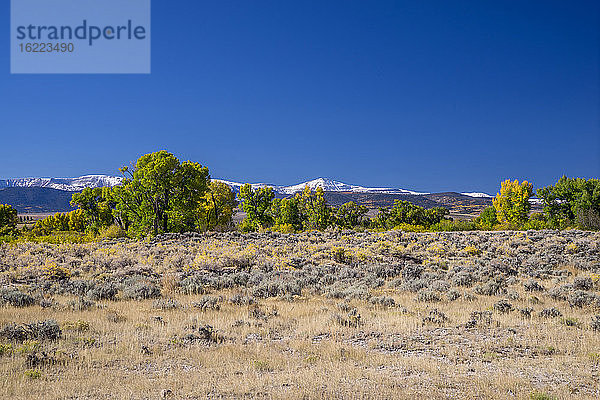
{"x":471,"y":315}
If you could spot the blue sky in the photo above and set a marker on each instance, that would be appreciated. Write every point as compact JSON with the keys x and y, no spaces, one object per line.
{"x":425,"y":95}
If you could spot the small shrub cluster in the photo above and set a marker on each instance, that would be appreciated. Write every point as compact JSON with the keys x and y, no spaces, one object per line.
{"x":435,"y":316}
{"x":15,"y":297}
{"x":41,"y":330}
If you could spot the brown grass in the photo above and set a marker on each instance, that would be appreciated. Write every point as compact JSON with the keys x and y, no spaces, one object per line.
{"x":310,"y":346}
{"x":302,"y":353}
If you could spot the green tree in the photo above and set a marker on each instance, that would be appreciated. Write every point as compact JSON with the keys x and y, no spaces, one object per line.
{"x":286,"y":214}
{"x":487,"y":219}
{"x":95,"y":207}
{"x":512,"y":203}
{"x":112,"y":196}
{"x":219,"y":204}
{"x":257,"y":206}
{"x":572,"y":201}
{"x":161,"y":194}
{"x":316,"y":213}
{"x":58,"y":222}
{"x":77,"y":221}
{"x":8,"y":219}
{"x":350,"y":215}
{"x":404,"y":212}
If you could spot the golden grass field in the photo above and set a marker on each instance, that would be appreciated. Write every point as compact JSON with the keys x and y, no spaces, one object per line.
{"x":232,"y":341}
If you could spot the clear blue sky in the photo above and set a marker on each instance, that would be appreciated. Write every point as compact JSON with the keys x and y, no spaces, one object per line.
{"x":425,"y":95}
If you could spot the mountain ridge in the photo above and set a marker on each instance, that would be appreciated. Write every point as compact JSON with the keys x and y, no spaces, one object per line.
{"x":327,"y":184}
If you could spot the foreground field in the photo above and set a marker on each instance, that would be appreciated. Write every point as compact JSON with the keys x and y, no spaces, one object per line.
{"x":318,"y":315}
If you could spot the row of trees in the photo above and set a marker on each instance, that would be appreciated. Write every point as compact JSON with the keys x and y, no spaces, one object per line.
{"x":309,"y":210}
{"x":161,"y":194}
{"x":571,"y":202}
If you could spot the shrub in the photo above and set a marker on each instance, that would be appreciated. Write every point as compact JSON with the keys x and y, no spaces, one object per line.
{"x":582,"y":298}
{"x":533,"y":286}
{"x":78,"y":326}
{"x":479,"y":318}
{"x":81,"y":304}
{"x":492,"y":287}
{"x":583,"y":283}
{"x":165,"y":304}
{"x":15,"y":297}
{"x":137,"y":288}
{"x":383,"y":301}
{"x":503,"y":307}
{"x":453,"y":294}
{"x":541,"y":396}
{"x":103,"y":291}
{"x":595,"y":324}
{"x":208,"y":303}
{"x":526,"y":312}
{"x":241,"y":300}
{"x":352,"y":319}
{"x":427,"y":295}
{"x":33,"y":373}
{"x":56,"y":273}
{"x":550,"y":313}
{"x":112,"y":232}
{"x":40,"y":330}
{"x":435,"y":316}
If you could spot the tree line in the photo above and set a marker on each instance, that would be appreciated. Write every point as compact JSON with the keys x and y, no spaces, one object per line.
{"x":161,"y":194}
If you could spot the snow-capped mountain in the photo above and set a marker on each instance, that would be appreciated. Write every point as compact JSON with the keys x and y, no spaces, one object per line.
{"x":478,"y":194}
{"x":327,"y":184}
{"x":68,"y":184}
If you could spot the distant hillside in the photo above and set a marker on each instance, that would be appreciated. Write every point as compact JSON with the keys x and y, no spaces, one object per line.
{"x":455,"y":202}
{"x":43,"y":200}
{"x":36,"y":199}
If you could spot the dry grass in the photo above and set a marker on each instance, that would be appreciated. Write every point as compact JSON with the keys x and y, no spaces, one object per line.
{"x":306,"y":346}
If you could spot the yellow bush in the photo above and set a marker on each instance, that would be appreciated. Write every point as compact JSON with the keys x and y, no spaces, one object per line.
{"x":472,"y":251}
{"x":55,"y":272}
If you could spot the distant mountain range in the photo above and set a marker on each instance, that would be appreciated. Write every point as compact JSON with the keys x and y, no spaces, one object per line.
{"x":328,"y":185}
{"x":67,"y":184}
{"x":44,"y":195}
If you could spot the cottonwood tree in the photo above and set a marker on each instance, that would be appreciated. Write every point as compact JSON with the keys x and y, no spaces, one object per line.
{"x":512,"y":203}
{"x":572,"y":200}
{"x":257,"y":205}
{"x":350,"y":215}
{"x":95,"y":206}
{"x":8,"y":219}
{"x":314,"y":209}
{"x":286,"y":214}
{"x":161,"y":194}
{"x":219,"y":204}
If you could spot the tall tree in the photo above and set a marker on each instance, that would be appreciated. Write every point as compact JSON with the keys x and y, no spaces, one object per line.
{"x":286,"y":214}
{"x":8,"y":219}
{"x":572,"y":200}
{"x":350,"y":215}
{"x":512,"y":203}
{"x":314,"y":208}
{"x":219,"y":205}
{"x":161,"y":194}
{"x":257,"y":204}
{"x":95,"y":207}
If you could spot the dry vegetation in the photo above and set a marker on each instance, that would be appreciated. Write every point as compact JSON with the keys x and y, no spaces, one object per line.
{"x":315,"y":315}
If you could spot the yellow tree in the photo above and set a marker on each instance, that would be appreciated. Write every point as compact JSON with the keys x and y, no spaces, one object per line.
{"x":512,"y":203}
{"x":219,"y":204}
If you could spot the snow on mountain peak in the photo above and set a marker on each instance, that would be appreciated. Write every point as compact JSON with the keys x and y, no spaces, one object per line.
{"x":67,"y":184}
{"x":477,"y":194}
{"x":327,"y":184}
